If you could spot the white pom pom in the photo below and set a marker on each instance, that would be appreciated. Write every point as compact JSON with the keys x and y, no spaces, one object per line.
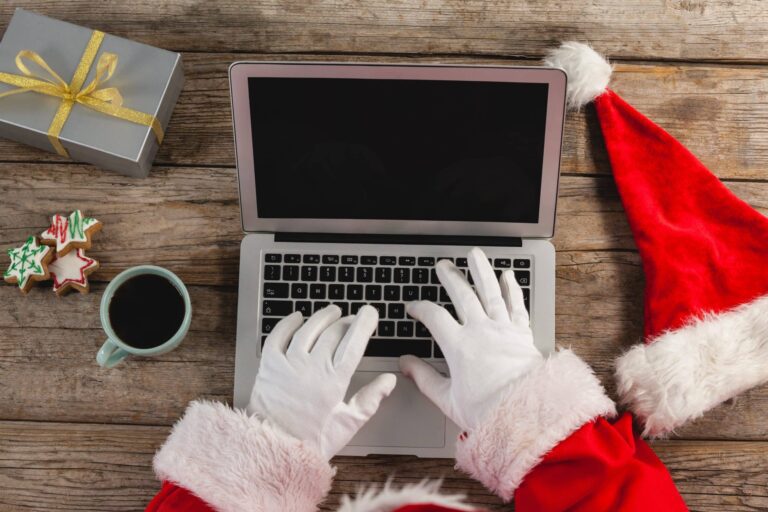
{"x":588,"y":72}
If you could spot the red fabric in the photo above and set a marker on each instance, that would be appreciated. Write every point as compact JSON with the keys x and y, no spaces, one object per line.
{"x":703,"y":248}
{"x":427,"y":508}
{"x":173,"y":498}
{"x":600,"y":467}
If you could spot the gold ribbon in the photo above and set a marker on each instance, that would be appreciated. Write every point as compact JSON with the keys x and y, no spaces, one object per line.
{"x":107,"y":100}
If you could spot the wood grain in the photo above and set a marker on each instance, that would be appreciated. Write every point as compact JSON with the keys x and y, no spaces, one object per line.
{"x":718,"y":112}
{"x":668,"y":29}
{"x":62,"y":467}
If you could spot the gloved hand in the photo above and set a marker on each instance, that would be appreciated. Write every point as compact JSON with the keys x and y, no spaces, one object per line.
{"x":489,"y":348}
{"x":304,"y":374}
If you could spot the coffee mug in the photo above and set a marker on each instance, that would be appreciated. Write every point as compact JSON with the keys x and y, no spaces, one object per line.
{"x":116,"y":349}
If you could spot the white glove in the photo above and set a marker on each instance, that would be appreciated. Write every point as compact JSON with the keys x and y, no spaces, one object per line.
{"x":305,"y":372}
{"x":489,"y":348}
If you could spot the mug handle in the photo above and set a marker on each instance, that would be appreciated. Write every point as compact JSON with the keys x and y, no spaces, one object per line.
{"x":110,"y":354}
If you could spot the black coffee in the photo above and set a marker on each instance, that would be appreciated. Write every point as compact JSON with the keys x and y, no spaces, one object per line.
{"x":146,"y":311}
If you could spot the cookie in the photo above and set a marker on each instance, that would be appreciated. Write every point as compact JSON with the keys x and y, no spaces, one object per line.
{"x":71,"y":271}
{"x":73,"y":232}
{"x":29,"y":263}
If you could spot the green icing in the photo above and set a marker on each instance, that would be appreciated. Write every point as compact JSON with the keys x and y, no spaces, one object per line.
{"x":24,"y":261}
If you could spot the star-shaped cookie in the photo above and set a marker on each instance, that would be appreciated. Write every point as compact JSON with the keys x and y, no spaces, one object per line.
{"x":71,"y":271}
{"x":29,"y":263}
{"x":73,"y":232}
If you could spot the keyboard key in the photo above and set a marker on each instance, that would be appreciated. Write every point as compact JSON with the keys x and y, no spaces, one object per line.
{"x":317,"y":291}
{"x":346,"y":274}
{"x":396,"y":310}
{"x":291,"y":273}
{"x":422,"y":331}
{"x":327,"y":274}
{"x":522,"y":263}
{"x":387,"y":260}
{"x":292,"y":258}
{"x":277,"y":307}
{"x":304,"y":307}
{"x":308,"y":273}
{"x":438,"y":352}
{"x":402,"y":275}
{"x":330,"y":259}
{"x":299,"y":291}
{"x":383,"y":275}
{"x":405,"y":329}
{"x":373,"y":292}
{"x":451,"y":310}
{"x":461,"y":262}
{"x":311,"y":258}
{"x":356,"y":307}
{"x":410,"y":293}
{"x":523,"y":277}
{"x":433,"y":277}
{"x":271,"y":272}
{"x":407,"y":260}
{"x":267,"y":324}
{"x":420,"y":275}
{"x":263,"y":340}
{"x":388,"y":347}
{"x":273,"y":258}
{"x":502,"y":263}
{"x":364,"y":274}
{"x":527,"y":298}
{"x":349,"y":260}
{"x":317,"y":306}
{"x":369,"y":260}
{"x":426,"y":262}
{"x":336,"y":291}
{"x":276,"y":290}
{"x":354,"y":292}
{"x":386,"y":328}
{"x":444,"y":295}
{"x":429,"y":293}
{"x":381,"y":308}
{"x":391,"y":293}
{"x":344,"y":306}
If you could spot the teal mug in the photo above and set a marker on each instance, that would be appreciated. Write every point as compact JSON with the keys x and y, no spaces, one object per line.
{"x":114,"y":349}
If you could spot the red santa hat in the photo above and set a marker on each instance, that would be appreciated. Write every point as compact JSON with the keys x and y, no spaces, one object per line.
{"x":705,"y":257}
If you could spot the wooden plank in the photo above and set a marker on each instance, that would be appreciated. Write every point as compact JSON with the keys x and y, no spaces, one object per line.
{"x":62,"y":467}
{"x":48,"y":345}
{"x":673,"y":29}
{"x":717,"y":111}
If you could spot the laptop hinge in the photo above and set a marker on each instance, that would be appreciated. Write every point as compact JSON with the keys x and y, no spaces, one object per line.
{"x":345,"y":238}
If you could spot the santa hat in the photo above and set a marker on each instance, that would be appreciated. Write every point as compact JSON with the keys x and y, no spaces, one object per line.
{"x":705,"y":257}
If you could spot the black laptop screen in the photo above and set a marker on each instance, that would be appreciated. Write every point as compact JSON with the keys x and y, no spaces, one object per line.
{"x":330,"y":148}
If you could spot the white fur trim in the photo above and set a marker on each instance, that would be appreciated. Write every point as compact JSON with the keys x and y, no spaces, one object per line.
{"x":537,"y":412}
{"x":235,"y":462}
{"x":588,"y":72}
{"x":683,"y":373}
{"x":423,"y":493}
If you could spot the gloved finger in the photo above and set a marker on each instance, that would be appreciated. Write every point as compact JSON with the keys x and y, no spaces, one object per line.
{"x":513,"y":297}
{"x":366,"y":401}
{"x":436,"y":319}
{"x":352,"y":346}
{"x":487,"y":285}
{"x":306,"y":336}
{"x":328,"y":341}
{"x":462,"y":295}
{"x":278,"y":339}
{"x":433,"y":385}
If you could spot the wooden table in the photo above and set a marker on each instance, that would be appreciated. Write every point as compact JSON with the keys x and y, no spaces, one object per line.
{"x":80,"y":438}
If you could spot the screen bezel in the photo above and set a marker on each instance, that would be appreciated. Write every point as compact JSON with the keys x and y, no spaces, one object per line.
{"x":240,"y":72}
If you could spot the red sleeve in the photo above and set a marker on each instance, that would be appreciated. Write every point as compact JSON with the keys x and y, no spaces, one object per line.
{"x":173,"y":498}
{"x":601,"y":466}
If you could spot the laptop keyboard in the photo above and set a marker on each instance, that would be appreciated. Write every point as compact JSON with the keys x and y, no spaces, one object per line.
{"x":309,"y":282}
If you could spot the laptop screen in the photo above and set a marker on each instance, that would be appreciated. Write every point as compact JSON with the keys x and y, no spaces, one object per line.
{"x":341,"y":148}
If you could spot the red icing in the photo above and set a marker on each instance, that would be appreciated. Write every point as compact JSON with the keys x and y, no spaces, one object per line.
{"x":81,"y":279}
{"x":59,"y":228}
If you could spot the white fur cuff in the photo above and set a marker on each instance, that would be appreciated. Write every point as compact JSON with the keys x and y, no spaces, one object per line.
{"x":234,"y":462}
{"x":537,"y":412}
{"x":684,"y":373}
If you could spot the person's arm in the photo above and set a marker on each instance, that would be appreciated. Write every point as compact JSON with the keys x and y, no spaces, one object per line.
{"x":535,"y":429}
{"x":274,"y":456}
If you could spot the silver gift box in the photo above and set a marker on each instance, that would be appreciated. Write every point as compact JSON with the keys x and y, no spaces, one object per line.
{"x":149,"y":80}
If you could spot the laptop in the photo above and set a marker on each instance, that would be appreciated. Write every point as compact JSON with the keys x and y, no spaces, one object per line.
{"x":356,"y":178}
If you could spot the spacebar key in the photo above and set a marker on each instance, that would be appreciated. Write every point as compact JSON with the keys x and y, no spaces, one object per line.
{"x":277,"y":307}
{"x":392,"y":347}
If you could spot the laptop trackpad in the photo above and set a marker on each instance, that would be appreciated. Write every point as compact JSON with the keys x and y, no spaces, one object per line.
{"x":406,"y":418}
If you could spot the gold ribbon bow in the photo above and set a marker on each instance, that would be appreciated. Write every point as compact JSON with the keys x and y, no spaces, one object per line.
{"x":107,"y":100}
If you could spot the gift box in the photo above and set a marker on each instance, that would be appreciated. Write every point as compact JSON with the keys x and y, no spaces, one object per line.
{"x":84,"y":94}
